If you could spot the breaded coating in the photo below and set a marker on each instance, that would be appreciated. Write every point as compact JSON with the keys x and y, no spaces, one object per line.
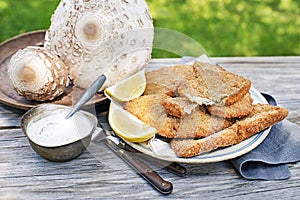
{"x":239,"y":109}
{"x":201,"y":124}
{"x":179,"y":106}
{"x":210,"y":84}
{"x":149,"y":109}
{"x":261,"y":117}
{"x":167,"y":80}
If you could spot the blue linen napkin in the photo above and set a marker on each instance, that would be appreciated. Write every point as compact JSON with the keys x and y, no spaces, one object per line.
{"x":269,"y":161}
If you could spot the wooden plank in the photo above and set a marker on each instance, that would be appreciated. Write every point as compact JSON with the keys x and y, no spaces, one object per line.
{"x":105,"y":176}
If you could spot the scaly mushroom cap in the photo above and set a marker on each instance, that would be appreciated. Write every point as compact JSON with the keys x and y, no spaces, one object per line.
{"x":37,"y":74}
{"x":99,"y":36}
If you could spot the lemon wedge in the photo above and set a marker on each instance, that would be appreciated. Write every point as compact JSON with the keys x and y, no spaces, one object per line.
{"x":129,"y":88}
{"x":127,"y":126}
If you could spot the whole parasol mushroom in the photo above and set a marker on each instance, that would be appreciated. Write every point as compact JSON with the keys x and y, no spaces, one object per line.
{"x":37,"y":74}
{"x":100,"y":36}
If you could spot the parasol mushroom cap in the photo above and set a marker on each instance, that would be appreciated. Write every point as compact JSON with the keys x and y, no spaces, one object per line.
{"x":37,"y":74}
{"x":93,"y":37}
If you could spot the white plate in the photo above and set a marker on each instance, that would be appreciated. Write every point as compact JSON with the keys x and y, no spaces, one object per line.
{"x":217,"y":155}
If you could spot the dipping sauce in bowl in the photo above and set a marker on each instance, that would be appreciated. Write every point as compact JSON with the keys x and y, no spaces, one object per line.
{"x":55,"y":130}
{"x":54,"y":137}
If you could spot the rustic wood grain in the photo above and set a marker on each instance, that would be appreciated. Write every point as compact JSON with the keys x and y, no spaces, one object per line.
{"x":100,"y":174}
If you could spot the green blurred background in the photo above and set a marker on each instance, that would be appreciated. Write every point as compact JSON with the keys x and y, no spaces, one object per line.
{"x":222,"y":27}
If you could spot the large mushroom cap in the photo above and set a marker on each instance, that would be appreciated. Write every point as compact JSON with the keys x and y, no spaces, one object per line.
{"x":37,"y":74}
{"x":99,"y":36}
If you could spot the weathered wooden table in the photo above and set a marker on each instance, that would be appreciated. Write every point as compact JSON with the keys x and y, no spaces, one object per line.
{"x":100,"y":174}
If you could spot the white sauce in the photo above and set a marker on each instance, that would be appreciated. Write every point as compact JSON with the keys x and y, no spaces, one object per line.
{"x":55,"y":130}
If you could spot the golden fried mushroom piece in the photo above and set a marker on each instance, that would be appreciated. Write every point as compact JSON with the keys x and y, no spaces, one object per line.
{"x":201,"y":124}
{"x":179,"y":106}
{"x":213,"y":85}
{"x":149,"y":109}
{"x":261,"y":117}
{"x":167,"y":80}
{"x":239,"y":109}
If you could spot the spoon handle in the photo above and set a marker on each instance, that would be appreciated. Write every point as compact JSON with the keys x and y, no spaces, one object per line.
{"x":89,"y":93}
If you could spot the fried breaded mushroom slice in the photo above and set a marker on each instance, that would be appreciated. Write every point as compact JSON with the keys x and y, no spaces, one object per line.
{"x":261,"y":117}
{"x":213,"y":85}
{"x":167,"y":79}
{"x":179,"y":106}
{"x":201,"y":124}
{"x":239,"y":109}
{"x":149,"y":109}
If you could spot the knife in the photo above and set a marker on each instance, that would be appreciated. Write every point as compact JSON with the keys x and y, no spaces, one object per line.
{"x":139,"y":166}
{"x":164,"y":187}
{"x":172,"y":167}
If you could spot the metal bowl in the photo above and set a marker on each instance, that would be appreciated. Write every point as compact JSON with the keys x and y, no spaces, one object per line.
{"x":59,"y":152}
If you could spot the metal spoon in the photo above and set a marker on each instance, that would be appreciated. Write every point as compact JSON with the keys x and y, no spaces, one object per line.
{"x":89,"y":93}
